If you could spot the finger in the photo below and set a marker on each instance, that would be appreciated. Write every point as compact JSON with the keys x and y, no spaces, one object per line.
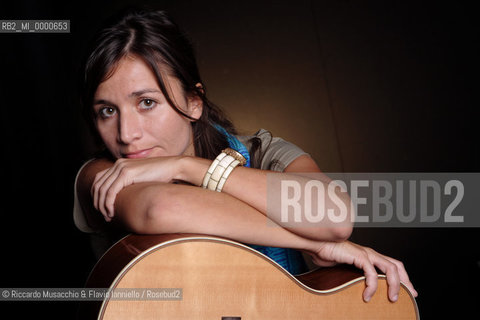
{"x":360,"y":259}
{"x":371,"y":280}
{"x":106,"y":190}
{"x":102,"y":186}
{"x":371,"y":276}
{"x":119,"y":178}
{"x":391,"y":272}
{"x":402,"y":272}
{"x":96,"y":188}
{"x":406,"y":279}
{"x":111,"y":195}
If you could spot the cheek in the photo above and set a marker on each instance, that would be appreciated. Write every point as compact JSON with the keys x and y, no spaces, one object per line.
{"x":175,"y":131}
{"x":104,"y":131}
{"x":107,"y":133}
{"x":183,"y":127}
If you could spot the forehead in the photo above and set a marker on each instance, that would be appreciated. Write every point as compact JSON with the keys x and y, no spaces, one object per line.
{"x":133,"y":74}
{"x":129,"y":73}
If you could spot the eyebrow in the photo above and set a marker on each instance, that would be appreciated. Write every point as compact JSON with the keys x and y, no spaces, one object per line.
{"x":103,"y":101}
{"x":140,"y":92}
{"x":133,"y":94}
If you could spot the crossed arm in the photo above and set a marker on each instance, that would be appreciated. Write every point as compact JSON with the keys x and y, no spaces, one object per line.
{"x":139,"y":196}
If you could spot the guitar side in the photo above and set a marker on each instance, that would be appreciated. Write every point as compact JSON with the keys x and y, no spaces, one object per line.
{"x":222,"y":278}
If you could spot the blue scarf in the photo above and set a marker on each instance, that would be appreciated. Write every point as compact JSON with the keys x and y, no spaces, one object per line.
{"x":291,"y":260}
{"x":235,"y":144}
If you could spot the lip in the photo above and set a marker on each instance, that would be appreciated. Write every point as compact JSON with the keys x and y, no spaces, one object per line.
{"x":137,"y":154}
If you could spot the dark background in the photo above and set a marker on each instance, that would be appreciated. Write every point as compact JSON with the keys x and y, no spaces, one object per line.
{"x":369,"y":86}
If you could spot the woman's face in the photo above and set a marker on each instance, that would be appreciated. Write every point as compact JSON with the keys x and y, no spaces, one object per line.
{"x":135,"y":120}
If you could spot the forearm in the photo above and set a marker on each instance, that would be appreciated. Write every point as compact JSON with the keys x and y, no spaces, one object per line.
{"x":166,"y":208}
{"x":246,"y":188}
{"x":251,"y":186}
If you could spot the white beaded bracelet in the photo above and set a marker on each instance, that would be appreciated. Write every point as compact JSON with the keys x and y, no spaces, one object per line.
{"x":221,"y":168}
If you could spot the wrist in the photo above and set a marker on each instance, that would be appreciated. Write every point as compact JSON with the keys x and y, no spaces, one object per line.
{"x":192,"y":169}
{"x":310,"y":245}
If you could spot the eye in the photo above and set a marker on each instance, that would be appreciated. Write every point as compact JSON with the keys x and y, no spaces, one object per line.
{"x":107,"y":112}
{"x":147,"y":104}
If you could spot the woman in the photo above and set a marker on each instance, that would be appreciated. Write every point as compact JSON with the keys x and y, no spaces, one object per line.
{"x":149,"y":107}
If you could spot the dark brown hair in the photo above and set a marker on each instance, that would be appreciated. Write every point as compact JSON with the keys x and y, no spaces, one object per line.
{"x":155,"y":38}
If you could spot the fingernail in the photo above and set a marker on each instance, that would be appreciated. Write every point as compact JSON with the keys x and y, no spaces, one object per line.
{"x":366,"y":299}
{"x":395,"y":298}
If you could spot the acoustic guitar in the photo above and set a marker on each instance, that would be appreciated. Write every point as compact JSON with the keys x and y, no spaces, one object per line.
{"x":220,"y":279}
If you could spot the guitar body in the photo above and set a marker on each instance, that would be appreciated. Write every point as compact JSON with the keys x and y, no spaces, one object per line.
{"x":222,"y":279}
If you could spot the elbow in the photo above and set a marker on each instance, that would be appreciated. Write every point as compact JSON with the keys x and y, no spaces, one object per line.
{"x":342,"y":225}
{"x":151,"y":212}
{"x":336,"y":222}
{"x":342,"y":233}
{"x":332,"y":233}
{"x":342,"y":230}
{"x":339,"y":227}
{"x":158,"y":218}
{"x":160,"y":215}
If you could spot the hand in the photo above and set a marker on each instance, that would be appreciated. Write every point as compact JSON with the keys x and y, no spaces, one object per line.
{"x":109,"y":182}
{"x":330,"y":253}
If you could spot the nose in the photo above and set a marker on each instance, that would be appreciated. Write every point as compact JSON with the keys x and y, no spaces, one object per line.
{"x":130,"y":127}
